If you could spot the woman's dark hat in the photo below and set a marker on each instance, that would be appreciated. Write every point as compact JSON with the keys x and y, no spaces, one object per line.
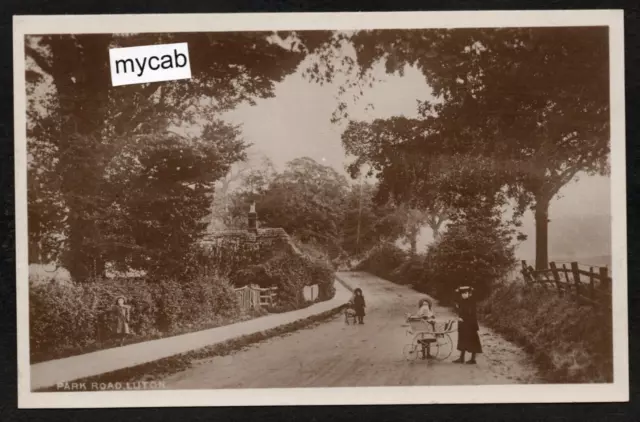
{"x":357,"y":290}
{"x":124,"y":299}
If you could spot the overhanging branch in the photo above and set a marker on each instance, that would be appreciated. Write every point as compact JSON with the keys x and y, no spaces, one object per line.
{"x":40,"y":60}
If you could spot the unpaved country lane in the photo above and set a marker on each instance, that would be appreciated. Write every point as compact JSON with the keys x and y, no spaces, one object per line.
{"x":332,"y":354}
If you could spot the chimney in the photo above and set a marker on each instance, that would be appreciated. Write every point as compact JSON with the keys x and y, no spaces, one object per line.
{"x":253,"y":218}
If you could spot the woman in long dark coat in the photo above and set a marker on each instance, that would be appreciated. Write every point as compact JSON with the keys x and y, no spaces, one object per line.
{"x":359,"y":305}
{"x":468,"y":338}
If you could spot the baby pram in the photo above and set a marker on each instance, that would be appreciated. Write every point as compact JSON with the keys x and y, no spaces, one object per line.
{"x":430,"y":338}
{"x":349,"y":314}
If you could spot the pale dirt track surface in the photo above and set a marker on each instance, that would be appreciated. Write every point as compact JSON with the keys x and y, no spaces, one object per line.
{"x":332,"y":354}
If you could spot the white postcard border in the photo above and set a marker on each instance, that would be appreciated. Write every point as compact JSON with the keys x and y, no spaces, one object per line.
{"x":541,"y":393}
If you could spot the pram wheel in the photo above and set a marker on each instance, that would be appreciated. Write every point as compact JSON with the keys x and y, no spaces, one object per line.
{"x":444,"y":346}
{"x":410,"y":352}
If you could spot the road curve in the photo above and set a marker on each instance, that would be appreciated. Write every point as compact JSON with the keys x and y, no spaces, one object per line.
{"x":332,"y":354}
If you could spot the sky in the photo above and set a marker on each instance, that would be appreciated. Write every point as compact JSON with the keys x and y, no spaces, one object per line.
{"x":296,"y":122}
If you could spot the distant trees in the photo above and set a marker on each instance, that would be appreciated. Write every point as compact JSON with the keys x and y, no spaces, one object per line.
{"x":366,"y":222}
{"x":314,"y":203}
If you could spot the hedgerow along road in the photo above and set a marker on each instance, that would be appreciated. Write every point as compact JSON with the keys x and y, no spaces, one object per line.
{"x":333,"y":354}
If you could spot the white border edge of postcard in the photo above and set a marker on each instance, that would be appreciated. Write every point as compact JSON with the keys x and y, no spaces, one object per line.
{"x":21,"y":228}
{"x":619,"y":208}
{"x":541,"y":393}
{"x":220,"y":22}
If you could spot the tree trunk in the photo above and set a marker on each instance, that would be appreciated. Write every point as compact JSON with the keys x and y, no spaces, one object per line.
{"x":435,"y":228}
{"x":81,"y":76}
{"x":79,"y":260}
{"x":435,"y":221}
{"x":414,"y":244}
{"x":542,"y":232}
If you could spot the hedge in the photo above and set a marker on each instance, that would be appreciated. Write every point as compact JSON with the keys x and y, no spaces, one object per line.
{"x":290,"y":273}
{"x":69,"y":319}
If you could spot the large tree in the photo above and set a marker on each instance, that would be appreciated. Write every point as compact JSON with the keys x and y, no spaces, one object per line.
{"x":86,"y":123}
{"x":530,"y":105}
{"x":165,"y":183}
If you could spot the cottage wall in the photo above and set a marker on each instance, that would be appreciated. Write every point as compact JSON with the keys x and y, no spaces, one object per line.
{"x":230,"y":250}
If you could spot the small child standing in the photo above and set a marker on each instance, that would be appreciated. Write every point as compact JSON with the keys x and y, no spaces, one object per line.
{"x":468,"y":339}
{"x":122,"y":314}
{"x":359,"y":305}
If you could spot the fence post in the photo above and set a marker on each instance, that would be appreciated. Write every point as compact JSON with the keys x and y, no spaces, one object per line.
{"x":576,"y":276}
{"x":524,"y":271}
{"x":566,"y":275}
{"x":604,"y":279}
{"x":556,"y":276}
{"x":592,"y":287}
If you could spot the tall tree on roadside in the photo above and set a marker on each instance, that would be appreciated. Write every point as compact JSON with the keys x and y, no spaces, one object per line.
{"x":166,"y":190}
{"x":530,"y":105}
{"x":87,"y":122}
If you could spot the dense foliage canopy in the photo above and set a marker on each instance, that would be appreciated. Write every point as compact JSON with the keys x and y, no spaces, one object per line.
{"x":110,"y":180}
{"x":517,"y":111}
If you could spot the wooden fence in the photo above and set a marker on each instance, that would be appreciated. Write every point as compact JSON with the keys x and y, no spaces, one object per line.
{"x":254,"y":297}
{"x":591,"y":286}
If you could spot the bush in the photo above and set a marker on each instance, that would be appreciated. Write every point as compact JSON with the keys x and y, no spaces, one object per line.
{"x":64,"y":319}
{"x":571,"y":342}
{"x":409,"y":272}
{"x":475,"y":252}
{"x":383,"y":260}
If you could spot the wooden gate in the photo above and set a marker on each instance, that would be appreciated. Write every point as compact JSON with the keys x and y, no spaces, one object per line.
{"x":254,"y":297}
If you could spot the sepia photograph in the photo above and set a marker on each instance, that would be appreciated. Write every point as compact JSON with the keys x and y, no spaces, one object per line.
{"x":273,"y":209}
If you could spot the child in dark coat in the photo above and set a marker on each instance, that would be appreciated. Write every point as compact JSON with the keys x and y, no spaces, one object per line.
{"x":359,"y":305}
{"x":122,"y":314}
{"x":468,"y":339}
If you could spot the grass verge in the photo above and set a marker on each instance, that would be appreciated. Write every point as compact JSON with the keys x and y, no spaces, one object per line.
{"x":153,"y":371}
{"x":570,"y":342}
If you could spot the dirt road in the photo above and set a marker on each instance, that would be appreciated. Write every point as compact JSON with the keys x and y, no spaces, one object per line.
{"x":332,"y":354}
